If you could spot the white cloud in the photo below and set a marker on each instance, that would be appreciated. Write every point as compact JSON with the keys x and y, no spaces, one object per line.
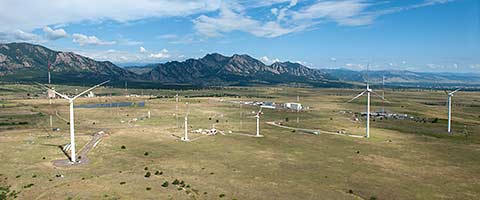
{"x":83,"y":40}
{"x":231,"y":15}
{"x":143,"y":50}
{"x":20,"y":36}
{"x":120,"y":56}
{"x":25,"y":36}
{"x":274,"y":11}
{"x":163,"y":54}
{"x":30,"y":15}
{"x":293,"y":3}
{"x":181,"y":39}
{"x":168,"y":36}
{"x":230,"y":20}
{"x":348,"y":12}
{"x":129,"y":42}
{"x":54,"y":34}
{"x":268,"y":61}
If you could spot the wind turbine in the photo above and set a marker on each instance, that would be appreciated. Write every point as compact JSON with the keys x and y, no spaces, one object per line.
{"x":449,"y":104}
{"x":369,"y":91}
{"x":185,"y":138}
{"x":258,"y":122}
{"x":72,"y":121}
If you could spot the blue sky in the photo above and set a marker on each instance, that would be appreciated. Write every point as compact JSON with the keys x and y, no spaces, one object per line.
{"x":418,"y":35}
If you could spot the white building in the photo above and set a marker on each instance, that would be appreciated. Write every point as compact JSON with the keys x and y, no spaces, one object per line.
{"x":293,"y":106}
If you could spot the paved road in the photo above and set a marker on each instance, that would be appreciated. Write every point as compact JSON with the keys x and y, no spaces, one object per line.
{"x":311,"y":131}
{"x":82,"y":154}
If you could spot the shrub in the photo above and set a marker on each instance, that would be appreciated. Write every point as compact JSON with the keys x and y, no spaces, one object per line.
{"x":145,"y":154}
{"x":122,"y":183}
{"x":221,"y":195}
{"x":175,"y":182}
{"x":148,"y":174}
{"x":146,"y":168}
{"x":123,"y":147}
{"x":148,"y":189}
{"x":158,"y":173}
{"x":435,"y":120}
{"x":5,"y":193}
{"x":165,"y":184}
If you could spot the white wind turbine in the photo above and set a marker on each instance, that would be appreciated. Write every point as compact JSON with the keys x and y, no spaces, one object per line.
{"x":369,"y":91}
{"x":257,"y":116}
{"x":185,"y":137}
{"x":72,"y":121}
{"x":449,"y":104}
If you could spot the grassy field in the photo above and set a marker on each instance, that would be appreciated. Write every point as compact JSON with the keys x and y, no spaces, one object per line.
{"x":403,"y":159}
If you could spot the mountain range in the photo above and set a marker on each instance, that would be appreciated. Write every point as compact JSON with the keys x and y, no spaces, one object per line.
{"x":24,"y":62}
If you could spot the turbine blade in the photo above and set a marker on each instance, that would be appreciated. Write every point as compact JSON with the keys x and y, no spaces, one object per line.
{"x":380,"y":97}
{"x":455,"y":91}
{"x":359,"y":95}
{"x":90,"y":89}
{"x":57,"y":93}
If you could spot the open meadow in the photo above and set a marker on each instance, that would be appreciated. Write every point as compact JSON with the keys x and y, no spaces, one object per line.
{"x":143,"y":158}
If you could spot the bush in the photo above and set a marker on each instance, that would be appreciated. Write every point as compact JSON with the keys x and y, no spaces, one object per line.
{"x":435,"y":120}
{"x":145,"y":154}
{"x":148,"y":189}
{"x":221,"y":195}
{"x":158,"y":173}
{"x":5,"y":193}
{"x":146,"y":168}
{"x":148,"y":174}
{"x":122,"y":183}
{"x":165,"y":184}
{"x":123,"y":147}
{"x":175,"y":182}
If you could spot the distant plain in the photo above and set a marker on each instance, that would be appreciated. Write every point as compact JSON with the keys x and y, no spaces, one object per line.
{"x":403,"y":159}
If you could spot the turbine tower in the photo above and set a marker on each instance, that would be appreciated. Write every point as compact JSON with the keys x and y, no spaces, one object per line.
{"x":258,"y":122}
{"x":449,"y":104}
{"x":72,"y":121}
{"x":369,"y":91}
{"x":185,"y":137}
